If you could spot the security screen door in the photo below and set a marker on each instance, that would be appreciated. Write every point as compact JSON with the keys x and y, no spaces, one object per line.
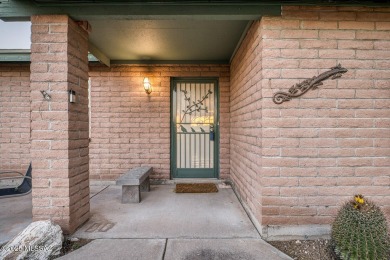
{"x":194,"y":147}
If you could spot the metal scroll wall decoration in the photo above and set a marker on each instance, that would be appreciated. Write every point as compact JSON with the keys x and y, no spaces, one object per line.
{"x":301,"y":88}
{"x":195,"y":105}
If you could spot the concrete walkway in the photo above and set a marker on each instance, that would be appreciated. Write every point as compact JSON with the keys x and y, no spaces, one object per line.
{"x":166,"y":225}
{"x":15,"y":215}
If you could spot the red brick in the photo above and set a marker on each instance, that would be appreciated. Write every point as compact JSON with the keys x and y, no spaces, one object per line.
{"x":292,"y":14}
{"x":318,"y":25}
{"x":365,"y":93}
{"x":371,"y":171}
{"x":342,"y":54}
{"x":292,"y":172}
{"x":298,"y":191}
{"x":336,"y":171}
{"x":353,"y":44}
{"x":298,"y":211}
{"x":44,"y":19}
{"x":372,"y":16}
{"x":279,"y":182}
{"x":49,"y":38}
{"x":337,"y":34}
{"x":372,"y":54}
{"x":280,"y":44}
{"x":299,"y":152}
{"x":355,"y":103}
{"x":317,"y":162}
{"x":356,"y":25}
{"x":58,"y":28}
{"x":355,"y":162}
{"x":277,"y":23}
{"x":382,"y":26}
{"x":39,"y":28}
{"x":372,"y":35}
{"x":337,"y":16}
{"x":299,"y":34}
{"x":318,"y":44}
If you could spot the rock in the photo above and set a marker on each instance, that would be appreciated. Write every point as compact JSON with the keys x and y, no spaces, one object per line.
{"x":40,"y":240}
{"x":74,"y":239}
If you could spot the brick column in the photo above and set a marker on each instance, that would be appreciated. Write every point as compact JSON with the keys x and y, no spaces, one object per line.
{"x":59,"y":129}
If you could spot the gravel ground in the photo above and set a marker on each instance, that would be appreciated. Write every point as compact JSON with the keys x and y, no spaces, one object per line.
{"x":306,"y":249}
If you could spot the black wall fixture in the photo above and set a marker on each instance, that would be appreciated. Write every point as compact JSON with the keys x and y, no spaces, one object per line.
{"x":301,"y":88}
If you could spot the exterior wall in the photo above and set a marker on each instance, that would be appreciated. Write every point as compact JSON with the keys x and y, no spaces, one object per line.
{"x":322,"y":148}
{"x":245,"y":120}
{"x":14,"y":117}
{"x":59,"y":129}
{"x":130,"y":128}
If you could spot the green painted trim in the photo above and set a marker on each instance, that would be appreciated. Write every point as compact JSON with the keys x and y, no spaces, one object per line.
{"x":216,"y":169}
{"x":189,"y":173}
{"x":172,"y":132}
{"x":243,"y":35}
{"x":24,"y":9}
{"x":15,"y":57}
{"x":99,"y":55}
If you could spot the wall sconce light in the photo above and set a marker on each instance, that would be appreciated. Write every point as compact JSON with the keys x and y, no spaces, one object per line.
{"x":45,"y":95}
{"x":72,"y":96}
{"x":147,"y":85}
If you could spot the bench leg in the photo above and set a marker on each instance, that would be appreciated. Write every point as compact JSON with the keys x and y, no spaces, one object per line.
{"x":145,"y":186}
{"x":131,"y":194}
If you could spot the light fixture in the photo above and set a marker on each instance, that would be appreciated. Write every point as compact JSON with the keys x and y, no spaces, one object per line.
{"x":72,"y":96}
{"x":147,"y":85}
{"x":45,"y":95}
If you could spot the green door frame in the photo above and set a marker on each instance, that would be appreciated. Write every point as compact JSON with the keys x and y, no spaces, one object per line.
{"x":215,"y":172}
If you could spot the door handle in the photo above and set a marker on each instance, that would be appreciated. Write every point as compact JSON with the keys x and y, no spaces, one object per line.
{"x":212,"y":133}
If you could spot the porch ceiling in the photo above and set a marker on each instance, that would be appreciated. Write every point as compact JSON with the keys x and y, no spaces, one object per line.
{"x":127,"y":41}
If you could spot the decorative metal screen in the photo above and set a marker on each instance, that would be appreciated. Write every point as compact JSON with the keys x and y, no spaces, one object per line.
{"x":195,"y":114}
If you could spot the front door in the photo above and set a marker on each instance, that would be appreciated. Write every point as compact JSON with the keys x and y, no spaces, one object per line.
{"x":194,"y":130}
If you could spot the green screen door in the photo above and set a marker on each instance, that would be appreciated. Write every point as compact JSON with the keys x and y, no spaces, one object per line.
{"x":194,"y":128}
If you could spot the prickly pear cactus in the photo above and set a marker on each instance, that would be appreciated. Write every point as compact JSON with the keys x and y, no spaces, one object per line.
{"x":360,"y":231}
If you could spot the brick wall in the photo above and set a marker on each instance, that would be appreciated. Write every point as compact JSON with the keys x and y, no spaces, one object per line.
{"x":245,"y":120}
{"x":322,"y":148}
{"x":59,"y":129}
{"x":14,"y":117}
{"x":130,"y":128}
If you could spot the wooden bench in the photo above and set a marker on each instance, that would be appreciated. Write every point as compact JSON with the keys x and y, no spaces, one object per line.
{"x":133,"y":182}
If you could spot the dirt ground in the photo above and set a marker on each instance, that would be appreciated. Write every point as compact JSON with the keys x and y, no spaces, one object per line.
{"x":306,"y":249}
{"x":70,"y":245}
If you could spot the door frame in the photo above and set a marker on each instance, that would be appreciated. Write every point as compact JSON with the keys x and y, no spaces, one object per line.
{"x":173,"y":150}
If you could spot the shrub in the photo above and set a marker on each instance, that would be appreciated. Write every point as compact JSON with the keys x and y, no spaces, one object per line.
{"x":360,"y":231}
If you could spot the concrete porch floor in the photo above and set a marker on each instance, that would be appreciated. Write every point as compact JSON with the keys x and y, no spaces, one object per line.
{"x":167,"y":225}
{"x":163,"y":213}
{"x":15,"y":215}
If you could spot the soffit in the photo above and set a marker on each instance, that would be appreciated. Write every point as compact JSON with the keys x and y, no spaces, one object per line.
{"x":166,"y":40}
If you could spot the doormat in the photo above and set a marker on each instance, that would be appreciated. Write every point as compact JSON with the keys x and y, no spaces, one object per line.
{"x":196,"y":188}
